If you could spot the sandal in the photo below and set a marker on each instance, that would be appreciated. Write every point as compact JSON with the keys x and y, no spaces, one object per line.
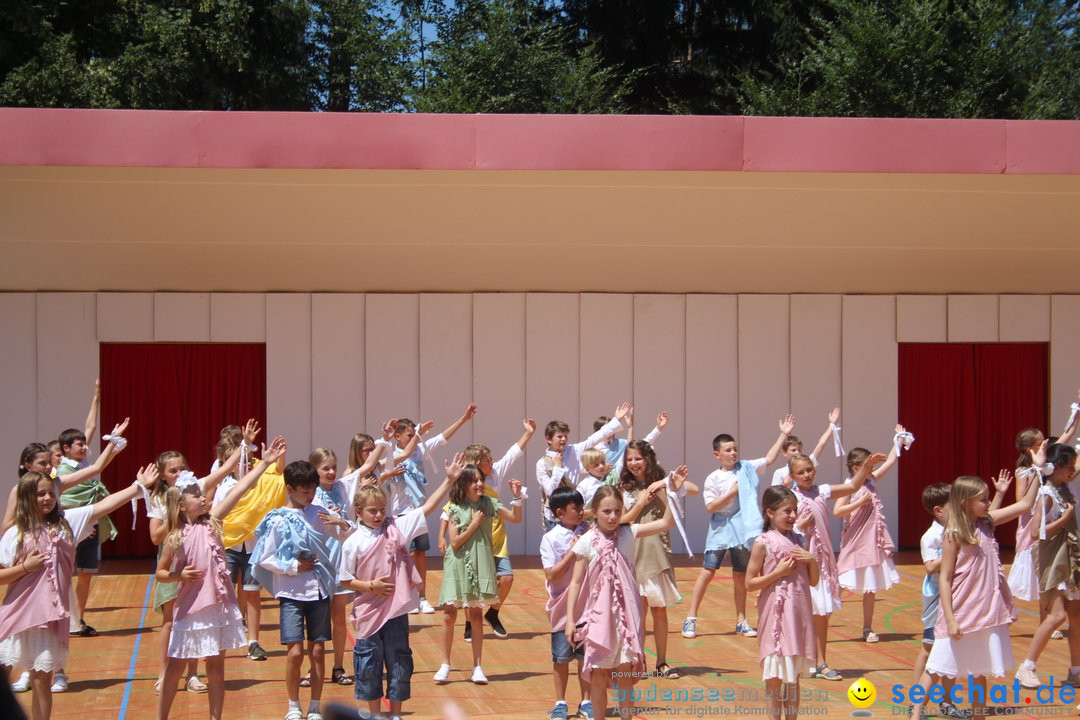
{"x":305,"y":681}
{"x":195,"y":685}
{"x":86,"y":631}
{"x":869,"y":636}
{"x":157,"y":687}
{"x":666,"y":671}
{"x":338,"y":676}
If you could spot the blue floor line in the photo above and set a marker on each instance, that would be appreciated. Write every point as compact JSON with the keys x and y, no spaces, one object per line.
{"x":135,"y":651}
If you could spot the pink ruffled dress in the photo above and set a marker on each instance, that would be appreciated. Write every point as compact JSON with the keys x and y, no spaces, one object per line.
{"x":785,"y":630}
{"x":866,"y":548}
{"x":825,"y":596}
{"x":1024,"y":573}
{"x":206,"y":619}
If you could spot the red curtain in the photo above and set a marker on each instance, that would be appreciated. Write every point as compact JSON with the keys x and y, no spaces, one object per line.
{"x":178,"y":398}
{"x":964,"y":403}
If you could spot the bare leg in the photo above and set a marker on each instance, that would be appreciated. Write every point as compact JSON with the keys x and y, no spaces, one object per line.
{"x":420,"y":561}
{"x":168,"y":686}
{"x":821,"y":637}
{"x":660,"y":633}
{"x":868,"y":610}
{"x":215,"y":678}
{"x":318,"y":669}
{"x":41,"y":700}
{"x":254,"y":613}
{"x":774,"y":691}
{"x":700,"y":586}
{"x":476,"y":619}
{"x":82,"y":593}
{"x":626,"y":684}
{"x":598,"y":691}
{"x":1053,"y":605}
{"x":337,"y":622}
{"x":1072,"y":612}
{"x":560,"y":672}
{"x":978,"y":702}
{"x":166,"y":633}
{"x":583,"y":685}
{"x":505,"y":582}
{"x":791,"y":700}
{"x":294,"y":657}
{"x":739,"y":580}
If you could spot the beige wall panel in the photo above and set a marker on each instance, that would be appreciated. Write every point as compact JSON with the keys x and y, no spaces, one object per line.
{"x":1064,"y":357}
{"x":712,"y":394}
{"x":551,"y":383}
{"x":659,"y":357}
{"x":764,"y":372}
{"x":337,"y":373}
{"x":392,"y":349}
{"x":238,"y":317}
{"x":68,"y":358}
{"x":606,"y":371}
{"x":18,"y":388}
{"x":922,"y":318}
{"x":973,"y":318}
{"x":446,"y":373}
{"x":870,"y":383}
{"x":125,"y":317}
{"x":182,"y":317}
{"x":1024,"y":318}
{"x":288,"y":371}
{"x":498,"y":352}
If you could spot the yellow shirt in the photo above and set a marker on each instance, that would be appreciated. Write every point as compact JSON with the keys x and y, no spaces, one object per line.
{"x":268,"y":494}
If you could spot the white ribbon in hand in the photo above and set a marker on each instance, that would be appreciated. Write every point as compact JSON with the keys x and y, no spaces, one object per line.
{"x":135,"y":502}
{"x":116,"y":440}
{"x":677,"y":510}
{"x":1073,"y":410}
{"x":838,"y":447}
{"x":902,"y":441}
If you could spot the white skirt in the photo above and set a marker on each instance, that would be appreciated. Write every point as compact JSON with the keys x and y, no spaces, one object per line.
{"x":660,"y":591}
{"x":1024,"y":574}
{"x":208,"y":633}
{"x":870,"y":579}
{"x":986,"y":652}
{"x":787,"y":668}
{"x":36,"y":648}
{"x":822,"y":599}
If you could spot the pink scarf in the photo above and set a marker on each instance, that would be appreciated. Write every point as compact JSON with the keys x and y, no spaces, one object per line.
{"x":613,"y":608}
{"x":389,"y":555}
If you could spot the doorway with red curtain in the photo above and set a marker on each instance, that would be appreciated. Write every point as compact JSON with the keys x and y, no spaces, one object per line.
{"x":965,"y":402}
{"x":178,"y":397}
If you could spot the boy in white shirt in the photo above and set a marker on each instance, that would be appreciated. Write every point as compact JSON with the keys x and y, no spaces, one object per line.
{"x":793,"y":446}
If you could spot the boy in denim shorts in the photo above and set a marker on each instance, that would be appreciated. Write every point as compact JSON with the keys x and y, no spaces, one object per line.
{"x":291,"y":560}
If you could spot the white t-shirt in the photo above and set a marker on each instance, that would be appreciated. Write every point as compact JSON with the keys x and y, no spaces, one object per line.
{"x":781,"y":473}
{"x":584,"y":546}
{"x":553,"y":547}
{"x":80,"y":519}
{"x":930,"y":548}
{"x":720,"y":481}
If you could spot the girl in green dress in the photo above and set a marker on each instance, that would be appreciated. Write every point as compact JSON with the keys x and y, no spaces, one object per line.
{"x":469,"y":566}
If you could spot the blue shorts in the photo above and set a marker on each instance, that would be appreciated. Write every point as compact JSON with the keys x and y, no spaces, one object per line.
{"x":561,"y":652}
{"x":928,"y":636}
{"x":239,"y":562}
{"x":740,"y":556}
{"x":503,"y":567}
{"x":296,"y":614}
{"x":388,"y":647}
{"x":421,"y":543}
{"x":88,"y":553}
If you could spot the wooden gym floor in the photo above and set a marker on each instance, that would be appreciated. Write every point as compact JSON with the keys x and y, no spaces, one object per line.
{"x":112,"y":676}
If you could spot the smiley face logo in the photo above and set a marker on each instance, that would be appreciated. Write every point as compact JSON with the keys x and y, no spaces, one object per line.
{"x":862,"y":693}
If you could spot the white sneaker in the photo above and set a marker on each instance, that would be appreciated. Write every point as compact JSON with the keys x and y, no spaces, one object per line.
{"x":1027,"y":677}
{"x":22,"y":684}
{"x":425,"y":607}
{"x":478,"y":676}
{"x":60,"y":683}
{"x":443,"y":675}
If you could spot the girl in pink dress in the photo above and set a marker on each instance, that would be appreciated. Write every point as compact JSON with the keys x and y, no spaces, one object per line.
{"x":37,"y":556}
{"x":612,"y":628}
{"x":972,"y":631}
{"x":813,"y":522}
{"x":783,"y":570}
{"x":866,"y":548}
{"x":206,"y":617}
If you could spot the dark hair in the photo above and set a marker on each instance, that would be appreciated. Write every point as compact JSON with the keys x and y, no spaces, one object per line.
{"x":653,"y":471}
{"x":773,"y":498}
{"x":720,"y":440}
{"x":562,"y":497}
{"x":28,"y":454}
{"x":1060,"y":455}
{"x":857,"y":456}
{"x":934,"y":496}
{"x":555,"y":426}
{"x":600,"y":422}
{"x":459,"y":491}
{"x":301,"y":474}
{"x":402,"y":425}
{"x":605,"y":491}
{"x":791,"y":441}
{"x":1025,"y":439}
{"x":69,"y":437}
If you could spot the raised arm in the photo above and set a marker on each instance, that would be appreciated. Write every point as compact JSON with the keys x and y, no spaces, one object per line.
{"x":787,"y":424}
{"x":654,"y":434}
{"x":91,"y":417}
{"x":827,"y":435}
{"x":269,"y":457}
{"x":107,"y":455}
{"x":859,"y":479}
{"x":890,"y":459}
{"x":613,"y":425}
{"x":1019,"y":507}
{"x":211,"y":481}
{"x":146,"y":477}
{"x":410,"y":447}
{"x":453,"y":472}
{"x":513,"y":513}
{"x":664,"y":523}
{"x":449,"y":432}
{"x":1070,"y":429}
{"x":530,"y":427}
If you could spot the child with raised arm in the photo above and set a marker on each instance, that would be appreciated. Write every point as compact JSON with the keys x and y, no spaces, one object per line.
{"x":37,"y":557}
{"x":377,"y":566}
{"x":469,"y":567}
{"x":866,"y":548}
{"x":813,"y":522}
{"x":292,"y":560}
{"x":731,"y":496}
{"x":971,"y":637}
{"x":561,"y":464}
{"x":407,"y":491}
{"x":614,"y":448}
{"x":783,"y":570}
{"x":206,"y":619}
{"x":793,"y":446}
{"x":557,"y":557}
{"x":608,"y":625}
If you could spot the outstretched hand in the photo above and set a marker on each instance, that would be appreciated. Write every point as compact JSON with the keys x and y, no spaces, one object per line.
{"x":787,"y":424}
{"x":661,"y":420}
{"x":147,"y":476}
{"x":1003,"y":481}
{"x":834,"y":415}
{"x":529,"y":424}
{"x":251,"y":431}
{"x":277,"y":448}
{"x":119,"y":429}
{"x":454,"y":467}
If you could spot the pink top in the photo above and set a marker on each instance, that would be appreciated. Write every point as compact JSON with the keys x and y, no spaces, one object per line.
{"x":202,"y":548}
{"x":813,"y":502}
{"x":980,"y":593}
{"x":388,"y":555}
{"x":865,"y":540}
{"x":785,"y":627}
{"x":1023,"y":526}
{"x":40,"y":598}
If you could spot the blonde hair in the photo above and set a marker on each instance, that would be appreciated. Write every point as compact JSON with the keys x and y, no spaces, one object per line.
{"x":367,"y":493}
{"x":176,"y":519}
{"x":593,"y":457}
{"x":161,"y":486}
{"x":797,"y":458}
{"x":356,"y":448}
{"x":319,"y":455}
{"x":225,"y":447}
{"x":28,"y":521}
{"x":475,"y":453}
{"x":963,"y":490}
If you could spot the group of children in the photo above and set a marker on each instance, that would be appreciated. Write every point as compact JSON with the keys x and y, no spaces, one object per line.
{"x":317,"y":542}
